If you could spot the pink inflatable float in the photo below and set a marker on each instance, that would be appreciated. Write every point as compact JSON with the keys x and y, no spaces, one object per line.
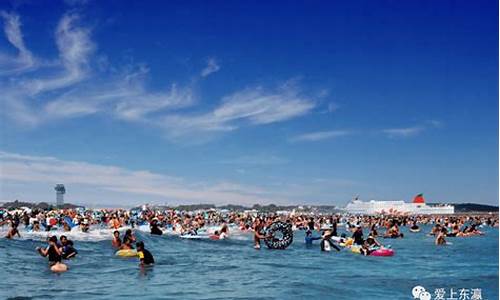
{"x":382,"y":252}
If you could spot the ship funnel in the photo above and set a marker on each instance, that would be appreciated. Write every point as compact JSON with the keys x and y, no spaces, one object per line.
{"x":419,"y":198}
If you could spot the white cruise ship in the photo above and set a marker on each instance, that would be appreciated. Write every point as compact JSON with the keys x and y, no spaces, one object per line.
{"x":417,"y":207}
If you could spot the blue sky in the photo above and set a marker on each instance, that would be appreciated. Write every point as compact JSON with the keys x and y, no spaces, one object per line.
{"x":311,"y":102}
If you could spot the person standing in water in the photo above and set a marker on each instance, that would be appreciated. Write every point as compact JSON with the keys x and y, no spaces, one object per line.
{"x":440,"y":238}
{"x":54,"y":254}
{"x":357,"y":236}
{"x":145,"y":257}
{"x":309,"y":238}
{"x":258,"y":228}
{"x":116,"y":242}
{"x":13,"y":231}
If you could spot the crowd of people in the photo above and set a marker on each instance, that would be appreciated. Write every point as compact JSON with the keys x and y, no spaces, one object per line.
{"x":158,"y":221}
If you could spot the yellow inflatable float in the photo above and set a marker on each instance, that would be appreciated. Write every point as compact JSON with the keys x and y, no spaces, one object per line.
{"x":126,"y":253}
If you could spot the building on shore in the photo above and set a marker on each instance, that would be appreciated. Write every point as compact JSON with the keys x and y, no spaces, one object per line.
{"x":60,"y":191}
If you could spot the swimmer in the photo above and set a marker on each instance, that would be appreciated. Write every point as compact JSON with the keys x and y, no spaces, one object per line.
{"x":154,"y":227}
{"x":114,"y":222}
{"x":370,"y":245}
{"x":129,"y":236}
{"x":126,"y":245}
{"x":414,"y":227}
{"x":440,"y":238}
{"x":393,"y":231}
{"x":326,"y":241}
{"x":13,"y":231}
{"x":309,"y":238}
{"x":68,"y":251}
{"x":224,"y":232}
{"x":258,"y":229}
{"x":357,"y":236}
{"x":52,"y":251}
{"x":116,"y":242}
{"x":144,"y":255}
{"x":436,"y":229}
{"x":84,"y":226}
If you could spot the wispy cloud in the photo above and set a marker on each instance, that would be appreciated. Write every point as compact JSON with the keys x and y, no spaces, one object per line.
{"x":70,"y":87}
{"x":319,"y":135}
{"x":135,"y":184}
{"x":64,"y":89}
{"x":212,"y":67}
{"x":24,"y":59}
{"x":404,"y":132}
{"x":253,"y":106}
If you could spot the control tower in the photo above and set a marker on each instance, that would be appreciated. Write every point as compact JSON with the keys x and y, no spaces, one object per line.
{"x":60,"y":191}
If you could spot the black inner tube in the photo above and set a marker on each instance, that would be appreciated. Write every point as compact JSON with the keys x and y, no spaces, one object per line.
{"x":286,"y":235}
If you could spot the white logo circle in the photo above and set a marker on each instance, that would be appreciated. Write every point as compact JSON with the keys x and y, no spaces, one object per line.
{"x":417,"y":290}
{"x":425,"y":295}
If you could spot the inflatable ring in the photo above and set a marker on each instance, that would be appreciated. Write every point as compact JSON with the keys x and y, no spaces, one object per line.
{"x":287,"y":235}
{"x":126,"y":253}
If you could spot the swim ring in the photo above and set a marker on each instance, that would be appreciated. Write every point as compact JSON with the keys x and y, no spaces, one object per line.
{"x":382,"y":252}
{"x":126,"y":253}
{"x":279,"y":243}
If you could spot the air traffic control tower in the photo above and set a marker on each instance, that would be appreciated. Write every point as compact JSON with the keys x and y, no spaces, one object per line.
{"x":60,"y":191}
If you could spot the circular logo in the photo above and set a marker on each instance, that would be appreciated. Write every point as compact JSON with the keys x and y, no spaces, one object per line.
{"x":417,"y":290}
{"x":425,"y":295}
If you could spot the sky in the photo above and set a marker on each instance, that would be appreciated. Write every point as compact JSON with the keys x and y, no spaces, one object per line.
{"x":245,"y":102}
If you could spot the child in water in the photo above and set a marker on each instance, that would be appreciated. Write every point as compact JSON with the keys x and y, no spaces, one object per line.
{"x":144,"y":255}
{"x":440,"y":237}
{"x":116,"y":242}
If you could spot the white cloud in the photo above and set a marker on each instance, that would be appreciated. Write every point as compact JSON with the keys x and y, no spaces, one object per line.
{"x":24,"y":59}
{"x":403,"y":132}
{"x":75,"y":47}
{"x":135,"y":184}
{"x":69,"y":87}
{"x":211,"y":67}
{"x":319,"y":135}
{"x":412,"y":130}
{"x":252,"y":106}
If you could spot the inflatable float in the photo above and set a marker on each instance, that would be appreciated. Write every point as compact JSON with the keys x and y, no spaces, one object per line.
{"x":414,"y":230}
{"x":382,"y":252}
{"x":356,"y":249}
{"x":286,"y":238}
{"x":378,"y":252}
{"x":59,"y":268}
{"x":190,"y":236}
{"x":347,"y":243}
{"x":126,"y":253}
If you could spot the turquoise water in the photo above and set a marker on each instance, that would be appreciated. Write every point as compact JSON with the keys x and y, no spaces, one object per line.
{"x":232,"y":269}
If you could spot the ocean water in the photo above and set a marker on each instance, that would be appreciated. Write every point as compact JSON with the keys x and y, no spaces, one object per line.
{"x":232,"y":269}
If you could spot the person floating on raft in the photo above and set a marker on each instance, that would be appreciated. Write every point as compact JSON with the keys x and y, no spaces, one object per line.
{"x":371,"y":244}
